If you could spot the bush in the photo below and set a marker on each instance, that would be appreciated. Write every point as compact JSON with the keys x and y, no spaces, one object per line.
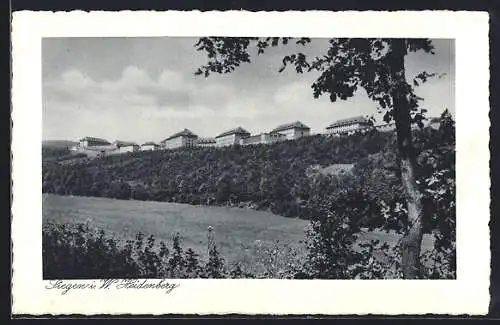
{"x":81,"y":252}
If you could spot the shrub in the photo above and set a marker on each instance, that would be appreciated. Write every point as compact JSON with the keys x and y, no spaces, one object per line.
{"x":330,"y":246}
{"x":332,"y":252}
{"x":81,"y":252}
{"x":276,"y":261}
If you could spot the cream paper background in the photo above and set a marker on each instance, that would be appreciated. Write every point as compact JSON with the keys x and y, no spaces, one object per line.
{"x":467,"y":295}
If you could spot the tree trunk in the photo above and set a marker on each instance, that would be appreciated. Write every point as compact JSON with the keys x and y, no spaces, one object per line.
{"x":412,"y":240}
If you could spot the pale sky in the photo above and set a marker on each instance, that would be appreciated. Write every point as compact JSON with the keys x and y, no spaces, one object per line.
{"x":144,"y":89}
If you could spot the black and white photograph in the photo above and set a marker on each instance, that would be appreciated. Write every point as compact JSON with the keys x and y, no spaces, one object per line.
{"x":268,"y":157}
{"x":250,"y":163}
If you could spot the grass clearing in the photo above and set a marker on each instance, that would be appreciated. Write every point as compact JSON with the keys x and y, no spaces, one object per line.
{"x":237,"y":231}
{"x":246,"y":236}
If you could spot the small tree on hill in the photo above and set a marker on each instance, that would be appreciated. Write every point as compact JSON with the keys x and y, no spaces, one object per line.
{"x":377,"y":65}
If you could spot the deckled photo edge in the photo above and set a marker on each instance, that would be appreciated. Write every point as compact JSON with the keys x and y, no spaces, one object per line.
{"x":27,"y":284}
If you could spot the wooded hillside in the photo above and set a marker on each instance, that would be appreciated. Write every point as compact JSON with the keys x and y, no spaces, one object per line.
{"x":284,"y":178}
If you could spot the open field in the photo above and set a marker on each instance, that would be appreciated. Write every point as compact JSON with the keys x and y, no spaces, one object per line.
{"x":240,"y":233}
{"x":237,"y":231}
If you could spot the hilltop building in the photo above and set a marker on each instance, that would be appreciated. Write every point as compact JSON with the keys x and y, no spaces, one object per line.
{"x":206,"y":142}
{"x":129,"y":148}
{"x":238,"y":136}
{"x":390,"y":127}
{"x":184,"y":138}
{"x":387,"y":127}
{"x":293,"y":131}
{"x":231,"y":137}
{"x":263,"y":138}
{"x":92,"y":142}
{"x":348,"y":125}
{"x":94,"y":147}
{"x":150,"y":146}
{"x":125,"y":146}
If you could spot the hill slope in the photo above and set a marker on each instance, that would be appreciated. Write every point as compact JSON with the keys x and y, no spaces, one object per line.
{"x":58,"y":143}
{"x":261,"y":176}
{"x":298,"y":178}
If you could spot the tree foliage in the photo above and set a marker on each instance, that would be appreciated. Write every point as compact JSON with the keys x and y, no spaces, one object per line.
{"x":376,"y":65}
{"x":347,"y":65}
{"x":82,"y":252}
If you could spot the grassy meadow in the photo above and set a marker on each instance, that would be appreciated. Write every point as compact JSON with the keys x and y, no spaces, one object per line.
{"x":245,"y":236}
{"x":240,"y":234}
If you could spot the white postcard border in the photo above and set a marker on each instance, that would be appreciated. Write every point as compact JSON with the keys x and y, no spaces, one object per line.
{"x":469,"y":294}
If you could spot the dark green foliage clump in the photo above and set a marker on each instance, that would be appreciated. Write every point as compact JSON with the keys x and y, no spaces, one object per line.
{"x":81,"y":252}
{"x":266,"y":177}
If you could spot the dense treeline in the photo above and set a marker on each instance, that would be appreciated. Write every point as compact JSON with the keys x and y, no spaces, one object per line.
{"x":51,"y":151}
{"x":266,"y":176}
{"x":59,"y":154}
{"x":54,"y":153}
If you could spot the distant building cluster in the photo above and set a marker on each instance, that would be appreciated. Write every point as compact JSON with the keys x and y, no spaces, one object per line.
{"x":98,"y":147}
{"x":237,"y":136}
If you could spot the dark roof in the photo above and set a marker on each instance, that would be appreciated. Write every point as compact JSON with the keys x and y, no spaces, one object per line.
{"x":254,"y":137}
{"x":183,"y":133}
{"x":294,"y":125}
{"x":347,"y":121}
{"x":150,"y":143}
{"x":206,"y":140}
{"x":95,"y":140}
{"x":119,"y":143}
{"x":239,"y":130}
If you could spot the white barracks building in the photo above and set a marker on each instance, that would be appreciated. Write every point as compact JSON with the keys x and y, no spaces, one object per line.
{"x":263,"y":138}
{"x":293,"y":131}
{"x":348,"y":125}
{"x":150,"y":146}
{"x":184,"y":138}
{"x":231,"y":137}
{"x":206,"y":142}
{"x":93,"y":142}
{"x":126,"y":146}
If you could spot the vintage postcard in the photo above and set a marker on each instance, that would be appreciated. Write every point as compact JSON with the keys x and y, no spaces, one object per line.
{"x":250,"y":163}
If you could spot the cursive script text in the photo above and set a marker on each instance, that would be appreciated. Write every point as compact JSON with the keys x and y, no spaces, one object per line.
{"x":65,"y":286}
